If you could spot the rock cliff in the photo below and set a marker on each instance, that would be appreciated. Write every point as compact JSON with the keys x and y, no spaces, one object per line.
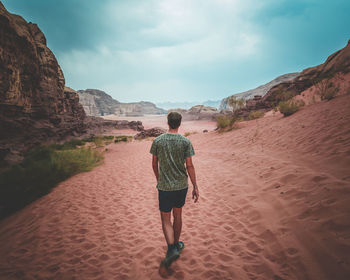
{"x":99,"y":103}
{"x":96,"y":102}
{"x":35,"y":105}
{"x":261,"y":90}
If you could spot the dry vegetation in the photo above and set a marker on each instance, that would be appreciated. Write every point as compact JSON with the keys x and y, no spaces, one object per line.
{"x":326,"y":89}
{"x":225,"y":122}
{"x":255,"y":115}
{"x":46,"y":166}
{"x":290,"y":107}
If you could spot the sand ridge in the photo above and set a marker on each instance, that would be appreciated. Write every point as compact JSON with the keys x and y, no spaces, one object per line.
{"x":274,"y":204}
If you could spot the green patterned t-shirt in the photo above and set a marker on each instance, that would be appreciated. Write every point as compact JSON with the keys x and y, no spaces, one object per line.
{"x":172,"y":150}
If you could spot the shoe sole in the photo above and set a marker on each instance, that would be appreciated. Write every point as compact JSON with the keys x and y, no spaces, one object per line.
{"x":169,"y":261}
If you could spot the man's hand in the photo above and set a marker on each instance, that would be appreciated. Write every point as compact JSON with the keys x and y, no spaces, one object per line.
{"x":195,"y":194}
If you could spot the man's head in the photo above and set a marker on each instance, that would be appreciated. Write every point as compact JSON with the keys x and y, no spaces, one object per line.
{"x":174,"y":120}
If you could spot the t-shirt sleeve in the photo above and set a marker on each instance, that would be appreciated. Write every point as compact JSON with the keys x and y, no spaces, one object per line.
{"x":153,"y":150}
{"x":189,"y":151}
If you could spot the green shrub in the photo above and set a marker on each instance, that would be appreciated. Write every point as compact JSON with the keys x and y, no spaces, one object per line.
{"x":329,"y":94}
{"x":89,"y":140}
{"x":98,"y":140}
{"x":225,"y":121}
{"x":255,"y":115}
{"x":108,"y":137}
{"x":122,"y":139}
{"x":188,"y":133}
{"x":41,"y":170}
{"x":288,"y":108}
{"x":326,"y":89}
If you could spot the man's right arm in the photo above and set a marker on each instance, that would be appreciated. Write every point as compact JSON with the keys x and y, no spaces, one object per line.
{"x":192,"y":174}
{"x":155,"y":166}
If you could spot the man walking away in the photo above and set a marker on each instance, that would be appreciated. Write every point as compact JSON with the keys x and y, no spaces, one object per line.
{"x":171,"y":151}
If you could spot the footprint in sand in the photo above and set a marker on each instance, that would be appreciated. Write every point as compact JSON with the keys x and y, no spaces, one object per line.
{"x":225,"y":258}
{"x":292,"y":251}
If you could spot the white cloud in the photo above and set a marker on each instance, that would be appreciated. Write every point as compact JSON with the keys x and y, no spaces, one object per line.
{"x":153,"y":46}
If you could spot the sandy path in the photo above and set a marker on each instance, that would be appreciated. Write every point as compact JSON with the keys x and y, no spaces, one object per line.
{"x":274,"y":205}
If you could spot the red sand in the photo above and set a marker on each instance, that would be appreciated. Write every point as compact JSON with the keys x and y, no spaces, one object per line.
{"x":274,"y":204}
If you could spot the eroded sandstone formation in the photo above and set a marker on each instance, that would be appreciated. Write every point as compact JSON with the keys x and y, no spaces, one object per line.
{"x":261,"y":90}
{"x":35,"y":106}
{"x":99,"y":103}
{"x":197,"y":112}
{"x":338,"y":62}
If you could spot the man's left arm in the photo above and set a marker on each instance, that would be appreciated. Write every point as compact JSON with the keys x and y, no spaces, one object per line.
{"x":155,"y":166}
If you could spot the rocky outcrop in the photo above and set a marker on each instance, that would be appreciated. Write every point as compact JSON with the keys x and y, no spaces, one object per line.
{"x":152,"y":132}
{"x":97,"y":125}
{"x":198,"y":112}
{"x":138,"y":109}
{"x":99,"y":103}
{"x":338,"y":62}
{"x":35,"y":106}
{"x":260,"y":91}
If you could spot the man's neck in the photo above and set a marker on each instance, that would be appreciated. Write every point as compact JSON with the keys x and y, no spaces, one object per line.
{"x":174,"y":131}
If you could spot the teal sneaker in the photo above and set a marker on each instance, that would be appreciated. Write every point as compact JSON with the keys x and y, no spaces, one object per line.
{"x":180,"y":246}
{"x":171,"y":255}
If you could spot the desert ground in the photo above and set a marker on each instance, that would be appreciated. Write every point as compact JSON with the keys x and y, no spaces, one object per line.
{"x":274,"y":204}
{"x":150,"y":121}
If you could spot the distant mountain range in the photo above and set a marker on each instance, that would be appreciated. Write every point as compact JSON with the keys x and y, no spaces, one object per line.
{"x":188,"y":105}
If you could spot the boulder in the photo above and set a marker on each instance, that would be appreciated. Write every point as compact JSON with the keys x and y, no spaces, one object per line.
{"x":152,"y":132}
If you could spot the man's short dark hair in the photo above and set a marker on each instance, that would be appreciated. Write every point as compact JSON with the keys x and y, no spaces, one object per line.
{"x":174,"y":120}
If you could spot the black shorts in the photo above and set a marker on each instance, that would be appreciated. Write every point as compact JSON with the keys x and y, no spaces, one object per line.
{"x":170,"y":199}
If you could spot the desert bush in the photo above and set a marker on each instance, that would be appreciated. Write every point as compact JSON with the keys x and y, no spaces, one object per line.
{"x":98,"y":140}
{"x":288,"y":108}
{"x":255,"y":115}
{"x":41,"y":170}
{"x":108,"y":137}
{"x":326,"y":89}
{"x":188,"y":133}
{"x":122,"y":139}
{"x":225,"y":121}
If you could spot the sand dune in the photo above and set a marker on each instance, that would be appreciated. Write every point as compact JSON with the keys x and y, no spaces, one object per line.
{"x":275,"y":204}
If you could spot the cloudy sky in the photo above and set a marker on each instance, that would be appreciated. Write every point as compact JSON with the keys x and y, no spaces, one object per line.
{"x":185,"y":50}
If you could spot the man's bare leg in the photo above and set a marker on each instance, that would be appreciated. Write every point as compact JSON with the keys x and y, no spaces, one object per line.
{"x":177,"y":226}
{"x":168,"y":229}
